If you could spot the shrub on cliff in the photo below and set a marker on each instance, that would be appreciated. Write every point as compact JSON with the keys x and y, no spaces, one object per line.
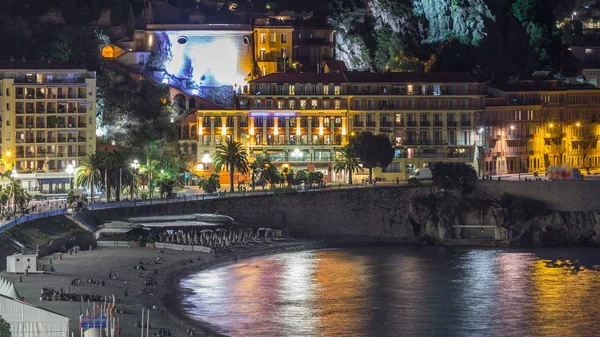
{"x":451,"y":176}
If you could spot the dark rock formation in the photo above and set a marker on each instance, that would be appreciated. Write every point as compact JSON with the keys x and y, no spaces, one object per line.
{"x":527,"y":222}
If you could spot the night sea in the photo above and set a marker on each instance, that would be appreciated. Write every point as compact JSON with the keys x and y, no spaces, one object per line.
{"x":402,"y":291}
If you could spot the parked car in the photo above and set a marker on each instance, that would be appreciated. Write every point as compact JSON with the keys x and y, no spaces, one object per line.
{"x":420,"y":174}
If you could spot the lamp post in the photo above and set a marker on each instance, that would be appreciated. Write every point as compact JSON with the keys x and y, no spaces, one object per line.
{"x":134,"y":167}
{"x":206,"y":160}
{"x":14,"y":174}
{"x":297,"y":155}
{"x":70,"y":169}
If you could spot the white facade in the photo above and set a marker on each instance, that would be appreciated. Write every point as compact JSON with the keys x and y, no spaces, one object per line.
{"x":18,"y":263}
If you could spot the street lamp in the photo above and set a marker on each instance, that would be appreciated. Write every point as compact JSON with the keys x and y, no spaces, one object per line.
{"x":14,"y":174}
{"x":297,"y":155}
{"x":70,"y":169}
{"x":134,"y":166}
{"x":573,"y":15}
{"x":206,"y":161}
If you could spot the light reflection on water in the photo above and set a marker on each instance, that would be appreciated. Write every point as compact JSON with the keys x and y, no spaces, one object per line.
{"x":409,"y":291}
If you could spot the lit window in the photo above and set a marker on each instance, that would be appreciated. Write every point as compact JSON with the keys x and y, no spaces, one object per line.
{"x":326,"y":104}
{"x":263,"y":38}
{"x":314,"y":104}
{"x":292,"y":88}
{"x":292,"y":103}
{"x":325,"y":90}
{"x":283,"y":37}
{"x":409,"y":89}
{"x":337,"y":104}
{"x":273,"y":37}
{"x":280,"y":104}
{"x":303,"y":104}
{"x":336,"y":90}
{"x":263,"y":53}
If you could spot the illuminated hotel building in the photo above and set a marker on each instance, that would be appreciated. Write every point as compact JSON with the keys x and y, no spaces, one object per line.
{"x":48,"y":118}
{"x":530,"y":125}
{"x":301,"y":119}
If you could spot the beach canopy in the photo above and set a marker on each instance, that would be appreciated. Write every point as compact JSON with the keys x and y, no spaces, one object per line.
{"x":8,"y":289}
{"x":28,"y":320}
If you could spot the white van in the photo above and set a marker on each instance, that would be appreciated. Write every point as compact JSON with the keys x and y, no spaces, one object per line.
{"x":421,"y":174}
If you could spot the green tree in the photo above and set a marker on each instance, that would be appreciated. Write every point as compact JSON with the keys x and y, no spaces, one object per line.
{"x":151,"y":169}
{"x":302,"y":176}
{"x":210,"y":185}
{"x":372,"y":150}
{"x":88,"y":173}
{"x":118,"y":12}
{"x":71,"y":198}
{"x":15,"y":37}
{"x":68,"y":9}
{"x":4,"y":328}
{"x":231,"y":156}
{"x":348,"y":162}
{"x":453,"y":176}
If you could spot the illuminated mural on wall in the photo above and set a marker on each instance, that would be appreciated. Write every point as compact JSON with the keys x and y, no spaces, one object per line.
{"x":205,"y":58}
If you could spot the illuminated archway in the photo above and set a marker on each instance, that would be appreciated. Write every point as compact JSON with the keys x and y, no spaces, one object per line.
{"x":108,"y":52}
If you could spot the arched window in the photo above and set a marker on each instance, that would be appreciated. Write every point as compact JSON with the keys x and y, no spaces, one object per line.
{"x":179,"y":100}
{"x":194,"y":149}
{"x":108,"y":52}
{"x":185,"y":148}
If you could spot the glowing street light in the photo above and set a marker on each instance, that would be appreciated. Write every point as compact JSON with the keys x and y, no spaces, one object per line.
{"x":134,"y":165}
{"x":551,"y":125}
{"x":297,"y":155}
{"x":70,"y":169}
{"x":512,"y":127}
{"x":577,"y":124}
{"x":573,"y":15}
{"x":206,"y":161}
{"x":14,"y":174}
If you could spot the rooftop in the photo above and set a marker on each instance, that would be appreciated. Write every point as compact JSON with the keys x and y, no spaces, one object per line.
{"x":366,"y":77}
{"x":406,"y":77}
{"x":37,"y":64}
{"x":293,"y":77}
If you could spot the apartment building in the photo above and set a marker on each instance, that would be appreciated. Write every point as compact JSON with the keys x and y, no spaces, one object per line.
{"x":301,"y":120}
{"x":48,"y":118}
{"x":535,"y":123}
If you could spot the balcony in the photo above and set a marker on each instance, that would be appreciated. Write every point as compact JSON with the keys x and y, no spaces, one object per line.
{"x":51,"y":140}
{"x":385,"y":124}
{"x":371,"y":124}
{"x":438,"y":123}
{"x":30,"y":140}
{"x":451,"y":123}
{"x":425,"y":123}
{"x":30,"y":155}
{"x":40,"y":125}
{"x":40,"y":140}
{"x":81,"y":139}
{"x":465,"y":123}
{"x":30,"y":126}
{"x":410,"y":123}
{"x":62,"y":139}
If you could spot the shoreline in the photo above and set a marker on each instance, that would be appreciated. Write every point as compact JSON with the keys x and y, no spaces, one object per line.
{"x":166,"y":295}
{"x":174,"y":302}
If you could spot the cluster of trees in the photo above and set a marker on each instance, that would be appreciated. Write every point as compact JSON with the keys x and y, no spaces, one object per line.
{"x":14,"y":199}
{"x":450,"y":176}
{"x":134,"y":113}
{"x":365,"y":150}
{"x":114,"y":173}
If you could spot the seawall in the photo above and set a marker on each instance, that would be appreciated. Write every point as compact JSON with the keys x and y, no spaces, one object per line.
{"x":380,"y":212}
{"x":563,"y":196}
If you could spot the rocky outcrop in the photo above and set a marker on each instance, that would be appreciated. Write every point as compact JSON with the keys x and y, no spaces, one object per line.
{"x":526,"y":222}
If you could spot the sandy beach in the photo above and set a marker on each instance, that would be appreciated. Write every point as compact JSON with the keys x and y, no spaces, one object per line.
{"x":98,"y":263}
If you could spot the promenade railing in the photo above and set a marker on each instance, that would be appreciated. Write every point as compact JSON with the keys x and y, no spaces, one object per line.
{"x":7,"y":224}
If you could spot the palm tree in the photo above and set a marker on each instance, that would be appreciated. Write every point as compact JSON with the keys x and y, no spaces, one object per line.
{"x":151,"y":168}
{"x":88,"y":173}
{"x":234,"y":157}
{"x":348,"y":162}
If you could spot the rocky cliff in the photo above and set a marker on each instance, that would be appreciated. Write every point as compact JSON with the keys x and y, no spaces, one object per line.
{"x":483,"y":36}
{"x":526,"y":222}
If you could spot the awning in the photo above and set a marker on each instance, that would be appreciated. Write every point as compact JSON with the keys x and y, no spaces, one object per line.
{"x":53,"y":180}
{"x":115,"y":230}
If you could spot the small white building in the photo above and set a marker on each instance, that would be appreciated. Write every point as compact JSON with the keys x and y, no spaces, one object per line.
{"x":18,"y":263}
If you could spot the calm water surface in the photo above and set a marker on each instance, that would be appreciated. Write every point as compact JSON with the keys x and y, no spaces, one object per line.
{"x":407,"y":291}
